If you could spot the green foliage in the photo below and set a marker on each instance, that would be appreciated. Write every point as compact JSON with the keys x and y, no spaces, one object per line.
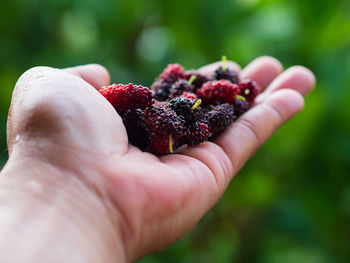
{"x":291,"y":202}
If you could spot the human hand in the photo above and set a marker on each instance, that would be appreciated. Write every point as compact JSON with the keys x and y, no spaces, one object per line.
{"x":59,"y":121}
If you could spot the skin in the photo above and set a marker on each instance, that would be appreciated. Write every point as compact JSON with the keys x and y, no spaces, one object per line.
{"x":73,"y":190}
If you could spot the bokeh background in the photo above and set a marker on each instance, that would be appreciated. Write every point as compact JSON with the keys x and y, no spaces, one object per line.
{"x":291,"y":202}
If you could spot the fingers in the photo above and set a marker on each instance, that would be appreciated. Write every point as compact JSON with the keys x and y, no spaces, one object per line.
{"x":251,"y":130}
{"x":297,"y":78}
{"x":94,"y":74}
{"x":282,"y":99}
{"x":263,"y":70}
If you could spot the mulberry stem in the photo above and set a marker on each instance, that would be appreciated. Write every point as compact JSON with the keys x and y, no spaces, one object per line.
{"x":171,"y":143}
{"x":239,"y":97}
{"x":197,"y":104}
{"x":224,"y":63}
{"x":192,"y":78}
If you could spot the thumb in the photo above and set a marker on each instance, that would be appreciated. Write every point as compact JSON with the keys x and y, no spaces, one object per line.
{"x":94,"y":74}
{"x":64,"y":111}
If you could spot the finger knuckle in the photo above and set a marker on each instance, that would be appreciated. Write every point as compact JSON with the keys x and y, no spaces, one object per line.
{"x":37,"y":71}
{"x":32,"y":75}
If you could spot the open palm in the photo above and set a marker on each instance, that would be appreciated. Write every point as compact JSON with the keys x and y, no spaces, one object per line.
{"x":59,"y":117}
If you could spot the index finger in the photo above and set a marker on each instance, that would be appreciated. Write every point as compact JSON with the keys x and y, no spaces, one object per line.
{"x":94,"y":74}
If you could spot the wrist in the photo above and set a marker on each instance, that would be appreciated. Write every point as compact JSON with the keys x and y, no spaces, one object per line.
{"x":49,"y":214}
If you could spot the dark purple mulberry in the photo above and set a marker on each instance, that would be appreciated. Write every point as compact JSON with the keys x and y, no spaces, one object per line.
{"x":183,"y":107}
{"x":161,"y":90}
{"x":227,"y":73}
{"x":240,"y":107}
{"x":160,"y":120}
{"x":180,"y":87}
{"x":196,"y":133}
{"x":199,"y":80}
{"x":137,"y":135}
{"x":218,"y":118}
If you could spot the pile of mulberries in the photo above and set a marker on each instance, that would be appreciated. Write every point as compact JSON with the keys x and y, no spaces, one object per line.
{"x":181,"y":108}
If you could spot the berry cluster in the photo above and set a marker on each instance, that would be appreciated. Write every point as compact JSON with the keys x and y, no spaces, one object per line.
{"x":183,"y":107}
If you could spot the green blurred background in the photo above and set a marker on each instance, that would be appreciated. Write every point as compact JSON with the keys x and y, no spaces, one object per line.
{"x":291,"y":202}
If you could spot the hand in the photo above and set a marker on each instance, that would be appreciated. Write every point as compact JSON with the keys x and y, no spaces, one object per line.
{"x":59,"y":122}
